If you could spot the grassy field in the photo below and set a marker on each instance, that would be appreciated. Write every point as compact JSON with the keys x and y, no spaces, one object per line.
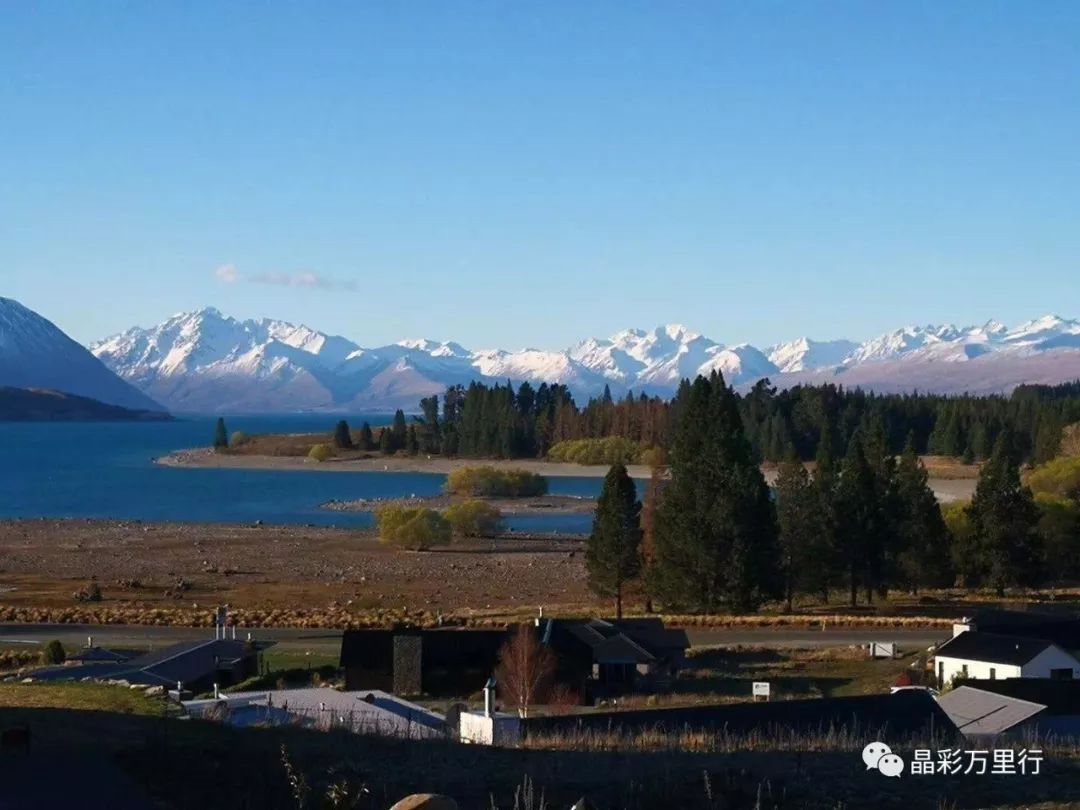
{"x":725,"y":674}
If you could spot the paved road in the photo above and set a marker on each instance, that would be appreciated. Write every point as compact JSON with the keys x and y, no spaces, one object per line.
{"x":328,"y":642}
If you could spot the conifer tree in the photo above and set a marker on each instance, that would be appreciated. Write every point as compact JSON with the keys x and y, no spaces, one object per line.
{"x":412,"y":444}
{"x":804,"y":535}
{"x":1004,"y":518}
{"x":367,"y":440}
{"x":221,"y":435}
{"x":924,"y":556}
{"x":342,"y":436}
{"x":715,"y":538}
{"x":613,"y":550}
{"x":856,"y":514}
{"x":398,"y":431}
{"x":386,"y":441}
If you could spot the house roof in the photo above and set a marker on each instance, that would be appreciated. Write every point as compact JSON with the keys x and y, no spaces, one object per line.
{"x":977,"y":712}
{"x":1061,"y":697}
{"x":101,"y":655}
{"x":993,"y":648}
{"x":627,"y":641}
{"x":187,"y":662}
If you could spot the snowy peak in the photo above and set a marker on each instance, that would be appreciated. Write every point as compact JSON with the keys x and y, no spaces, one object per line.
{"x":804,"y":354}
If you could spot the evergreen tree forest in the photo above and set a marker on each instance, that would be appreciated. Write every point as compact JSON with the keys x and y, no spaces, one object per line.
{"x":805,"y":422}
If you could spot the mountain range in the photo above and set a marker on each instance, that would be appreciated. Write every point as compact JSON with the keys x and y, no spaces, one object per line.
{"x":35,"y":353}
{"x":206,"y":361}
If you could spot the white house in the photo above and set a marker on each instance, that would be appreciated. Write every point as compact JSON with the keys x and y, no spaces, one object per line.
{"x":991,"y":656}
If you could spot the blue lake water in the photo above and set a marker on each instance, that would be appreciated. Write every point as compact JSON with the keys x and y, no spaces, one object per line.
{"x":105,"y":470}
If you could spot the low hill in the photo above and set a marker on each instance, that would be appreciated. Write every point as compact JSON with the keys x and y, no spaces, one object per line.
{"x":40,"y":405}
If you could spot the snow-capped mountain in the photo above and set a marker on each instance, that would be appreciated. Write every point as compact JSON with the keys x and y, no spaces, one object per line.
{"x":34,"y":353}
{"x":204,"y":360}
{"x":804,"y":354}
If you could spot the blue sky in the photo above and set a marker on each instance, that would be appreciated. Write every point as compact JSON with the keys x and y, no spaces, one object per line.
{"x":520,"y":174}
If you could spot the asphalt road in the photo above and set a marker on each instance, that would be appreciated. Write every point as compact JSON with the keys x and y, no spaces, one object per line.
{"x":328,"y":642}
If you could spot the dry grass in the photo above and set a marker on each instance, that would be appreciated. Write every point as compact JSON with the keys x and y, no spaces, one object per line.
{"x":81,"y":696}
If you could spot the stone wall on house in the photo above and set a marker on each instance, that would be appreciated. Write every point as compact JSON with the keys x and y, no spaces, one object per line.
{"x":408,"y":668}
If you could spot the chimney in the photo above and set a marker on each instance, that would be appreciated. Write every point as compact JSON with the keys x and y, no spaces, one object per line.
{"x":489,"y":698}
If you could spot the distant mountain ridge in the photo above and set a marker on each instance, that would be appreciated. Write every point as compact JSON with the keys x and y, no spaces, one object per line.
{"x":207,"y":361}
{"x":35,"y":353}
{"x":37,"y":405}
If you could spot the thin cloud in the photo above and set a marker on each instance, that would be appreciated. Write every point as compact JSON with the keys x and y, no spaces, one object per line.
{"x":228,"y":274}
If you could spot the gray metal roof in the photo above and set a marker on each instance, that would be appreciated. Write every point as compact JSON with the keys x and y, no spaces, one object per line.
{"x":978,"y":713}
{"x":367,"y":712}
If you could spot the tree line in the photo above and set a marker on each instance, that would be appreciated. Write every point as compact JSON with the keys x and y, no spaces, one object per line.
{"x":712,"y":536}
{"x":481,"y":420}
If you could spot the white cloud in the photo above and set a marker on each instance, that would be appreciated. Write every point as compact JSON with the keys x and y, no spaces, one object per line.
{"x":228,"y":274}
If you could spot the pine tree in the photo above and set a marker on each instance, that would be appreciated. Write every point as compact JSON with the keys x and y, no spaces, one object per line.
{"x":386,"y":442}
{"x":367,"y":440}
{"x":856,"y":514}
{"x":924,"y":554}
{"x":715,"y":538}
{"x":221,"y":435}
{"x":1004,"y":518}
{"x":613,"y":550}
{"x":412,"y":444}
{"x":398,"y":431}
{"x":342,"y":436}
{"x":804,"y":536}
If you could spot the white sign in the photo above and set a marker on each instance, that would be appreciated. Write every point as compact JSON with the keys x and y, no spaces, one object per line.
{"x":880,"y":649}
{"x":761,"y":690}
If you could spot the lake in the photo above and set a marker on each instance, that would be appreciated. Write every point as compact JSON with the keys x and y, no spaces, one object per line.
{"x":105,"y":470}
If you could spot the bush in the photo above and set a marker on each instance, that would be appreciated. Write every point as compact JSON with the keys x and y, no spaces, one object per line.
{"x":488,"y":481}
{"x":53,"y":653}
{"x":321,"y":452}
{"x":1060,"y":478}
{"x":474,"y":519}
{"x":238,"y":438}
{"x":609,"y":450}
{"x":413,"y":528}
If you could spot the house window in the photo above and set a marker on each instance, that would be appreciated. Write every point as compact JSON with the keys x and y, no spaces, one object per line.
{"x":963,"y":671}
{"x":1063,"y":674}
{"x":993,"y":674}
{"x":941,"y":673}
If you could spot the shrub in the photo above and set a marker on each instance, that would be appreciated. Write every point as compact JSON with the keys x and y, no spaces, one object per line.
{"x":413,"y":528}
{"x":321,"y":452}
{"x":488,"y":481}
{"x":53,"y":653}
{"x":1060,"y":477}
{"x":609,"y":450}
{"x":474,"y":519}
{"x":238,"y":438}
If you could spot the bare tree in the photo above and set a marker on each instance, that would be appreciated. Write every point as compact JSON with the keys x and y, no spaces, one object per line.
{"x":526,"y":669}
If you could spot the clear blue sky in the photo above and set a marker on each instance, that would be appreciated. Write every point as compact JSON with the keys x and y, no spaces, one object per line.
{"x":512,"y":174}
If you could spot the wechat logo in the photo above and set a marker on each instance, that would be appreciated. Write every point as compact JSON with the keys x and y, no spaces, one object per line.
{"x":878,"y":756}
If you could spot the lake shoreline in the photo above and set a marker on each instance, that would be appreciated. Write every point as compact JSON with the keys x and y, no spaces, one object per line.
{"x":529,"y":505}
{"x":204,"y":457}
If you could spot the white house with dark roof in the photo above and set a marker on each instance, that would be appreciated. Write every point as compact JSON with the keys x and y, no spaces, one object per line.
{"x":992,"y":656}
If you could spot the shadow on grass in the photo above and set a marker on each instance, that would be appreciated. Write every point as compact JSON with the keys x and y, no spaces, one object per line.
{"x":195,"y":765}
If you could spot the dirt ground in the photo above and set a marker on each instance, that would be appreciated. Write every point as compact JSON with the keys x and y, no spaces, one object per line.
{"x":529,"y":505}
{"x":44,"y":562}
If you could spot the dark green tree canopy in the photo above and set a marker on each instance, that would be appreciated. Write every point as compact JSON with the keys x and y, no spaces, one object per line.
{"x":613,"y":550}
